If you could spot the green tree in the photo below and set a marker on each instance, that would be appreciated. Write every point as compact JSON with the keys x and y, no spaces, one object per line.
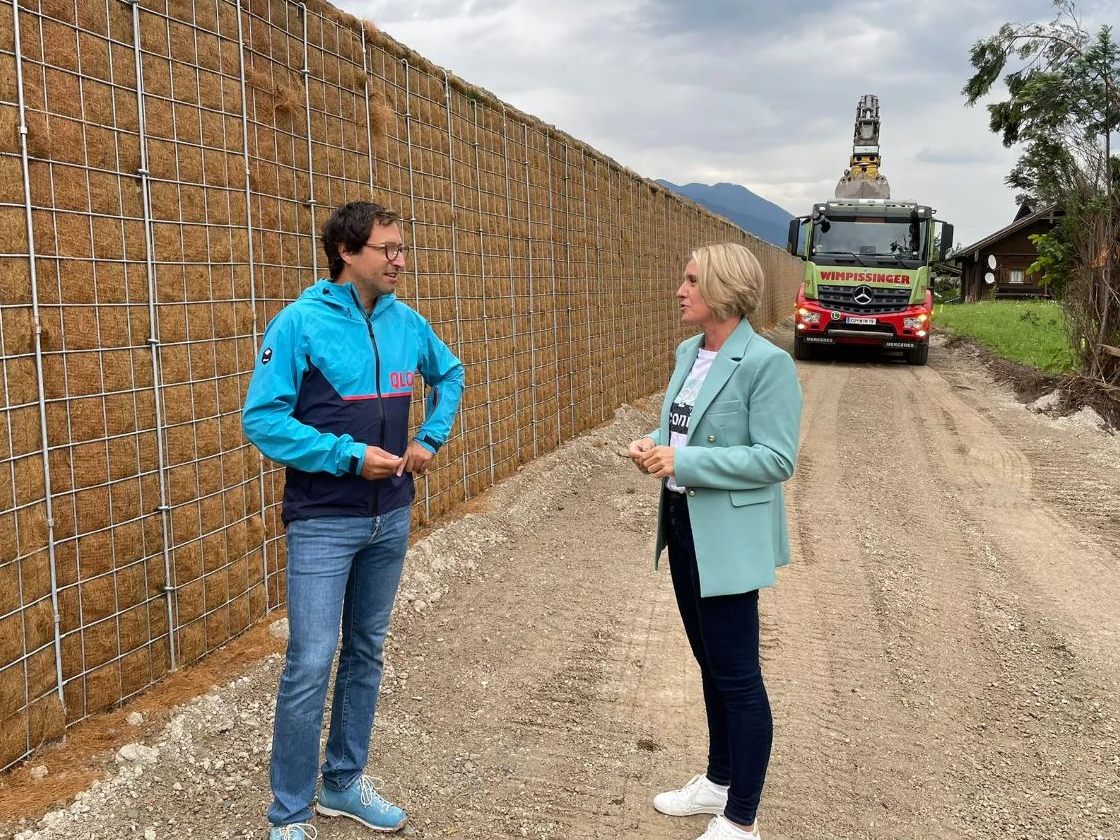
{"x":1063,"y":108}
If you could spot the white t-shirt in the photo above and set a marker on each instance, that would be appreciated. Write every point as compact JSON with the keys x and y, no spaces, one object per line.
{"x":680,"y":413}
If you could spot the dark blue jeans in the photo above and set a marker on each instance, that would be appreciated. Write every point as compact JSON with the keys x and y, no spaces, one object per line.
{"x":342,"y":570}
{"x":723,"y":633}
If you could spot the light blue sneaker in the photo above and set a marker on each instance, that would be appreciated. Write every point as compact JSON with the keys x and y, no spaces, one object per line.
{"x":294,"y":831}
{"x":363,"y":803}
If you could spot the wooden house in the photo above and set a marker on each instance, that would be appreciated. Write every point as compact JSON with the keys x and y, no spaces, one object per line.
{"x":998,"y":265}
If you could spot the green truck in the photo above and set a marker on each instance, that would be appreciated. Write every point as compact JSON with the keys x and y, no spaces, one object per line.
{"x":867,"y":260}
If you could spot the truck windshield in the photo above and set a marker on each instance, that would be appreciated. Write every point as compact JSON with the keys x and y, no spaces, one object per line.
{"x":875,"y":237}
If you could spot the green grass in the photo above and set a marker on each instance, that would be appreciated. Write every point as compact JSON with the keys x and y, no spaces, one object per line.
{"x":1029,"y":332}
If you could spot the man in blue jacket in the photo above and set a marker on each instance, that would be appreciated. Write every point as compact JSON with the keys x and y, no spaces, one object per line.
{"x":329,"y":399}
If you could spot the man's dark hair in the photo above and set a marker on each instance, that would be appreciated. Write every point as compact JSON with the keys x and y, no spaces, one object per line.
{"x":350,"y":226}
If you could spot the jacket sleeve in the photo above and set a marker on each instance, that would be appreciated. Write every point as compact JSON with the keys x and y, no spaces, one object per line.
{"x":774,"y":424}
{"x":443,"y":373}
{"x":270,"y":404}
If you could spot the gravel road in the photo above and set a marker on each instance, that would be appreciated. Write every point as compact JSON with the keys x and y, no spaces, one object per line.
{"x":943,"y":654}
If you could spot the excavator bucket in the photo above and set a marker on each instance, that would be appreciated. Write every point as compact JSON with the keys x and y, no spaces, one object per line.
{"x":862,"y":179}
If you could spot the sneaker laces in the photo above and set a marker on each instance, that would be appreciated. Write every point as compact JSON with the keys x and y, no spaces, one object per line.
{"x":694,"y":785}
{"x":309,"y":831}
{"x":367,"y":789}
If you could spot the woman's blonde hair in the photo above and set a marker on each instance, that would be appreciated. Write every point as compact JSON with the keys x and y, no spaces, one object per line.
{"x":729,"y":278}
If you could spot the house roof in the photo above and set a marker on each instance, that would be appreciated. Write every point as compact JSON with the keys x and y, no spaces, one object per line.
{"x":1022,"y":221}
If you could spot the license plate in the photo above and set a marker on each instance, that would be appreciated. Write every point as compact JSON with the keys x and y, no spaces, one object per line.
{"x":862,"y":322}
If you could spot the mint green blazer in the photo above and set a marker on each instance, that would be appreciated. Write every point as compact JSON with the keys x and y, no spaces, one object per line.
{"x":742,"y":444}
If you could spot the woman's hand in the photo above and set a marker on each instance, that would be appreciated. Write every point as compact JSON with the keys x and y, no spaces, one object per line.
{"x":658,"y":462}
{"x":638,"y":450}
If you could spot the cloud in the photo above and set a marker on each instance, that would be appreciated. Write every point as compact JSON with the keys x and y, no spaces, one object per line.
{"x":428,"y":11}
{"x":760,"y":94}
{"x":958,"y":157}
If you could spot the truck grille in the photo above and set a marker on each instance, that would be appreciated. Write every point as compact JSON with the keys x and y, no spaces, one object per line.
{"x":842,"y":299}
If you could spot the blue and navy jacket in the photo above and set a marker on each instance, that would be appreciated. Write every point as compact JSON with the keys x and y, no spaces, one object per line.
{"x":330,"y":379}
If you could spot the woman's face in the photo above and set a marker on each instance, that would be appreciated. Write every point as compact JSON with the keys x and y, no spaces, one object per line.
{"x":694,"y":310}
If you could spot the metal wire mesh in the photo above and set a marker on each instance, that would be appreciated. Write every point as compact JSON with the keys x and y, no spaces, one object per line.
{"x":164,"y":168}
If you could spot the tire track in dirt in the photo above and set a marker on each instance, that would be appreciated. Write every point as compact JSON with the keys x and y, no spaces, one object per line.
{"x":1074,"y":469}
{"x":848,"y":671}
{"x":968,"y":719}
{"x":1058,"y":564}
{"x":1048,"y":637}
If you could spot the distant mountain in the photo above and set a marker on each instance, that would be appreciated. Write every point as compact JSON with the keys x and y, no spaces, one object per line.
{"x":753,"y":213}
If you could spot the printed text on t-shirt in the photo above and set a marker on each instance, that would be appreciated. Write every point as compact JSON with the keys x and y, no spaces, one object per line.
{"x":678,"y":418}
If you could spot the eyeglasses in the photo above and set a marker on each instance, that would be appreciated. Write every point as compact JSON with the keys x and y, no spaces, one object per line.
{"x":392,"y":249}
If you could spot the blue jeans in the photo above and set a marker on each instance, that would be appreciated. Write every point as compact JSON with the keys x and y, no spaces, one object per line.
{"x":722,"y":631}
{"x":340,"y":568}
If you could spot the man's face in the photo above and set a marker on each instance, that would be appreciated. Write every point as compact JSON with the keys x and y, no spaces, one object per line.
{"x":368,"y":268}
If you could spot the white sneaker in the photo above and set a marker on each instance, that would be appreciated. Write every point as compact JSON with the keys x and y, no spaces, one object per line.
{"x":699,"y":796}
{"x":723,"y":829}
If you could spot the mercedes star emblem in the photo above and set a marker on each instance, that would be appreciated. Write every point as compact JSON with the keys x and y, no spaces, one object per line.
{"x":863,"y":295}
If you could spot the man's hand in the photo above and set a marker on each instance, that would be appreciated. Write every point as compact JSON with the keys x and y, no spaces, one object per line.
{"x":638,"y":450}
{"x":416,"y":459}
{"x":658,"y":462}
{"x":379,"y":463}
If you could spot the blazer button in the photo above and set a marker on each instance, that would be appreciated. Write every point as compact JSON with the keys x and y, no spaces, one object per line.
{"x":692,"y":492}
{"x":711,"y":438}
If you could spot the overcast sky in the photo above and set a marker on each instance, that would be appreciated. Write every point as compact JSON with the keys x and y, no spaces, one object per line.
{"x":761,"y":94}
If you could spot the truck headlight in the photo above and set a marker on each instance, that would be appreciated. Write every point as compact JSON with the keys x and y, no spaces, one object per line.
{"x":808,"y":317}
{"x":912,"y":323}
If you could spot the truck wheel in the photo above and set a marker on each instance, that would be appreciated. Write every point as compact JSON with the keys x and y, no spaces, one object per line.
{"x":918,"y":356}
{"x":801,"y":348}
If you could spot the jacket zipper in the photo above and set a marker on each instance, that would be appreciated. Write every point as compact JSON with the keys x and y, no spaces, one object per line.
{"x":377,"y":385}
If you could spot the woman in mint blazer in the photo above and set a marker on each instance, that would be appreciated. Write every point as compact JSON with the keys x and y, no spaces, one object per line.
{"x":727,"y":440}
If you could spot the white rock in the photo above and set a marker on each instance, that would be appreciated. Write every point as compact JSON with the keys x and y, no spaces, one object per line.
{"x":149,"y":834}
{"x":137,"y":753}
{"x":1045,"y":403}
{"x":176,"y":731}
{"x":1090,"y":418}
{"x":40,"y":772}
{"x":279,"y":629}
{"x":135,"y":719}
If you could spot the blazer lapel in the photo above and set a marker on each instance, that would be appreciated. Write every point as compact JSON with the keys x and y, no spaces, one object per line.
{"x":723,"y":365}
